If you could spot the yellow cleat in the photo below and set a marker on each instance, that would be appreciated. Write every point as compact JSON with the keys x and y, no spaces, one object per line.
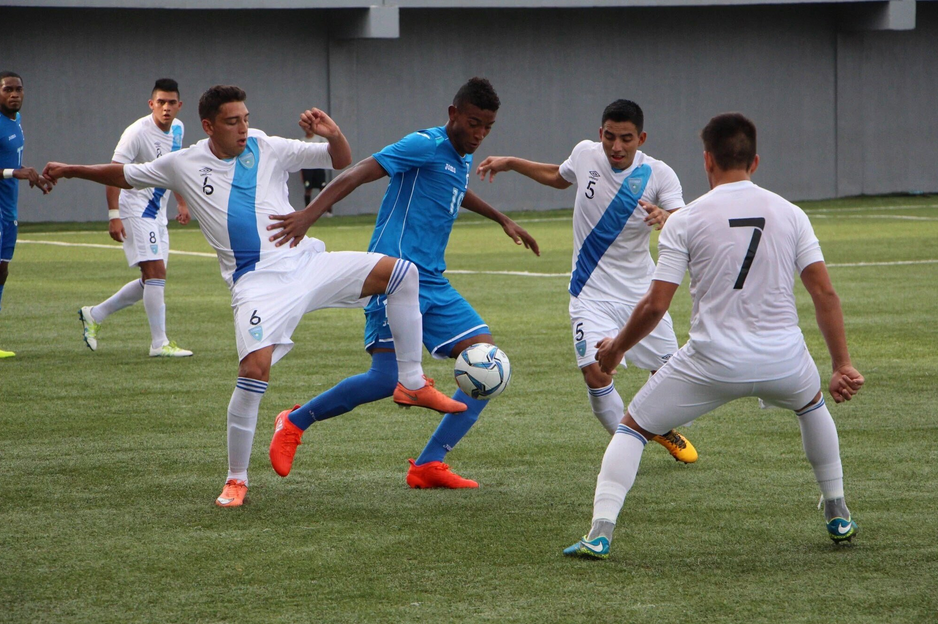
{"x":6,"y":354}
{"x":680,"y":447}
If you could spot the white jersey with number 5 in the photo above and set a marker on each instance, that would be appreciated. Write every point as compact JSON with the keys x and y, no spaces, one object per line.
{"x":743,"y":246}
{"x":611,"y":259}
{"x":142,"y":142}
{"x":233,"y":199}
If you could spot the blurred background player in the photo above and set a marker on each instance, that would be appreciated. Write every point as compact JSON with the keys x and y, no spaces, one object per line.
{"x":137,"y":218}
{"x":433,"y":166}
{"x":314,"y":180}
{"x":612,"y":266}
{"x":233,"y":182}
{"x":12,"y":142}
{"x":743,"y":246}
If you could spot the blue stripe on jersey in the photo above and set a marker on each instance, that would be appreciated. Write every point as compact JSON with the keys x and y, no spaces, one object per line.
{"x":153,"y":206}
{"x":177,"y":138}
{"x":609,"y":227}
{"x":242,"y":214}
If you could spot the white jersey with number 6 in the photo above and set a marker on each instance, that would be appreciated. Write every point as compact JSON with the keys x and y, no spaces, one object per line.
{"x":611,"y":259}
{"x":743,"y":246}
{"x":233,"y":199}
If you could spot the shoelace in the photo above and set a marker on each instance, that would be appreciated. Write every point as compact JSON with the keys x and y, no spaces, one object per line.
{"x":675,"y":439}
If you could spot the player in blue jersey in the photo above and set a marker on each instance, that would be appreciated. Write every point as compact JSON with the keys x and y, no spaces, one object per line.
{"x":429,"y":172}
{"x":11,"y":161}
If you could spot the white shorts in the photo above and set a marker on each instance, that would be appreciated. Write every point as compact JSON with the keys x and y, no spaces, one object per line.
{"x":591,"y":321}
{"x":269,"y":303}
{"x":682,"y":390}
{"x":145,"y":240}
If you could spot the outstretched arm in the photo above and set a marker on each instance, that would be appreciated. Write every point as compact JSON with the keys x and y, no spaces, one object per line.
{"x":648,"y":312}
{"x":517,"y":233}
{"x":845,"y":380}
{"x":291,"y":228}
{"x":546,"y":174}
{"x":28,"y":173}
{"x":109,"y":175}
{"x":316,"y":122}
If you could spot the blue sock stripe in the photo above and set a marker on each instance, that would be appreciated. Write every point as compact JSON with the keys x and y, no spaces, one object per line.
{"x":632,"y":432}
{"x":811,"y":408}
{"x":397,"y":275}
{"x":251,"y":385}
{"x":603,"y":391}
{"x":155,"y":282}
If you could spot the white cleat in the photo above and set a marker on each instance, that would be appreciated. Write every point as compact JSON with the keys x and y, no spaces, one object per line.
{"x":90,"y":329}
{"x":169,"y":350}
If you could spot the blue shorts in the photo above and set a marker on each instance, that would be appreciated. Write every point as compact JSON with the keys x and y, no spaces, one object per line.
{"x":447,"y":319}
{"x":8,"y":231}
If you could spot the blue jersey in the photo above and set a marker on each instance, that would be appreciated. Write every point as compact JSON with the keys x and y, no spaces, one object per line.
{"x":11,"y":157}
{"x":428,"y":183}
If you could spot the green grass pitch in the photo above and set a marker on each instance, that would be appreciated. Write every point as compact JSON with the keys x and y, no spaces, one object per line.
{"x":110,"y":461}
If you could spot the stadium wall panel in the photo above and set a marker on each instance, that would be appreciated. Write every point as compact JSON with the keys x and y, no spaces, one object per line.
{"x":839,"y":113}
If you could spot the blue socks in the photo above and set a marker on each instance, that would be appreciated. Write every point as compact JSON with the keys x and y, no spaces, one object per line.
{"x":452,"y":429}
{"x":378,"y":383}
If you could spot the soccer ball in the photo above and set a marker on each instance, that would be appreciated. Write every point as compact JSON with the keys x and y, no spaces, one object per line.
{"x":483,"y":371}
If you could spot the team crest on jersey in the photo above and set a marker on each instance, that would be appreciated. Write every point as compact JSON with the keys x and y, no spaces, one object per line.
{"x":155,"y":248}
{"x":581,"y":348}
{"x":247,"y":159}
{"x":257,"y":333}
{"x":635,"y":184}
{"x":205,"y":170}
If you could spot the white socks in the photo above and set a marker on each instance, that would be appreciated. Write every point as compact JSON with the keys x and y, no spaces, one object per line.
{"x":154,"y":304}
{"x":242,"y":421}
{"x":129,"y":294}
{"x":822,"y":448}
{"x":607,"y":406}
{"x":620,"y":465}
{"x":406,"y":323}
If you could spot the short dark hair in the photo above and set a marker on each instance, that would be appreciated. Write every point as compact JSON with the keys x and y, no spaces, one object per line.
{"x":9,"y":74}
{"x":165,"y":84}
{"x":479,"y":92}
{"x":624,"y":110}
{"x":731,"y":140}
{"x":212,"y":100}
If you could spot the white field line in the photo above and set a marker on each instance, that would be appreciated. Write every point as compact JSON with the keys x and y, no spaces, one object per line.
{"x":856,"y":216}
{"x":201,"y":254}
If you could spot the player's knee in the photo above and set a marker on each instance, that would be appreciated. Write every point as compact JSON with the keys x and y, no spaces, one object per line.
{"x":594,"y":377}
{"x":252,"y":368}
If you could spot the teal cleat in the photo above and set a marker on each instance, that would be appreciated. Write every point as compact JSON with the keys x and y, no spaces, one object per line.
{"x":589,"y":549}
{"x":841,"y":530}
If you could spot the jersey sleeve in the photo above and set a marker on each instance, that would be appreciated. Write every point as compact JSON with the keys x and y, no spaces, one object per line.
{"x":673,"y":257}
{"x":669,"y":194}
{"x":295,"y":155}
{"x":411,"y":152}
{"x":568,"y":167}
{"x":159,"y":173}
{"x":809,"y":248}
{"x":126,"y":150}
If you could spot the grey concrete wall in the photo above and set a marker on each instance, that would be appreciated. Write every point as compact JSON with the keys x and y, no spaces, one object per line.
{"x":838,"y":113}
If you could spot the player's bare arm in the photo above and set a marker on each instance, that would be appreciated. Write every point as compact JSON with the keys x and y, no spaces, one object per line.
{"x":109,"y":175}
{"x":115,"y":227}
{"x":845,"y":380}
{"x":544,"y":173}
{"x":654,"y":214}
{"x":182,"y":210}
{"x":291,"y":228}
{"x":514,"y":231}
{"x":316,"y":122}
{"x":647,"y":314}
{"x":35,"y":180}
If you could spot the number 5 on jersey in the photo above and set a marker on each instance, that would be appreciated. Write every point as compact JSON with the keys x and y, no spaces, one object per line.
{"x":759,"y":224}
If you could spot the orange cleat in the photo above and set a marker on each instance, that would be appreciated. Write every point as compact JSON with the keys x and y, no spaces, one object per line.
{"x":233,"y":494}
{"x":428,"y":397}
{"x":283,"y":444}
{"x":436,"y":475}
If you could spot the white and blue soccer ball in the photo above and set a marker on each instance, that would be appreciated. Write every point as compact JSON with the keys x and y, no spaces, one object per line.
{"x":483,"y":371}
